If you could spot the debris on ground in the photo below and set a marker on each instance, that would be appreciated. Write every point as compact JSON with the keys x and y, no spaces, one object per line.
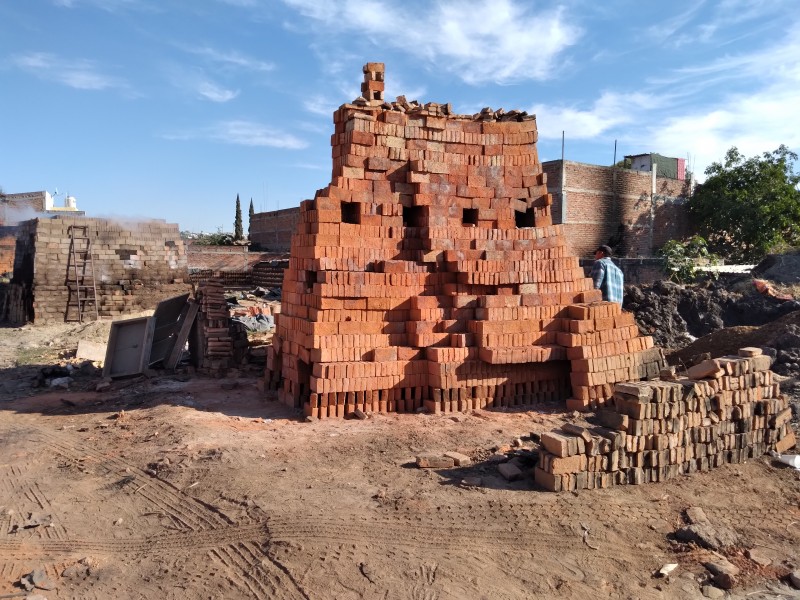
{"x":675,"y":315}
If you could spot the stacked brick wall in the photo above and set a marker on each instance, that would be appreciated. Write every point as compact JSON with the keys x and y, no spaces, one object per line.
{"x":723,"y":411}
{"x":429,"y":274}
{"x":611,"y":205}
{"x":8,"y":243}
{"x":211,"y":343}
{"x":269,"y":274}
{"x":135,"y":266}
{"x":273,"y":230}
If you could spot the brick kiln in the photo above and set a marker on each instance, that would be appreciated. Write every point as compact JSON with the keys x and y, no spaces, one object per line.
{"x":134,"y":266}
{"x":429,"y":274}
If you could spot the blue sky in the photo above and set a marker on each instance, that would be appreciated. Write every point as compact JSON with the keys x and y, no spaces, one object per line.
{"x":169,"y":109}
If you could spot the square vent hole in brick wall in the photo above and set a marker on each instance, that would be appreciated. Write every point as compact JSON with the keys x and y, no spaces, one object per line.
{"x":524,"y":218}
{"x":125,"y":254}
{"x":469,"y":216}
{"x":309,"y":279}
{"x":351,"y":213}
{"x":413,"y":216}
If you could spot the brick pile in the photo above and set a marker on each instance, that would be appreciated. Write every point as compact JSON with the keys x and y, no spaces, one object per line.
{"x":428,"y":274}
{"x":722,"y":411}
{"x":604,"y":347}
{"x":211,"y":345}
{"x":269,"y":274}
{"x":131,"y":263}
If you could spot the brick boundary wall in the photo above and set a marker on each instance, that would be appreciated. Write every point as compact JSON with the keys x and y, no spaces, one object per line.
{"x":273,"y":230}
{"x":614,"y":206}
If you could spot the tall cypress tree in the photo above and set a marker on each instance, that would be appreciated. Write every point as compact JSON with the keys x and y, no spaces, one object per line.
{"x":250,"y":218}
{"x":238,"y":234}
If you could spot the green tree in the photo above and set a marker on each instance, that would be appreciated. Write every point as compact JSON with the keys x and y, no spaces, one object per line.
{"x":748,"y":207}
{"x":238,"y":233}
{"x":250,"y":216}
{"x":220,"y":238}
{"x":625,"y":163}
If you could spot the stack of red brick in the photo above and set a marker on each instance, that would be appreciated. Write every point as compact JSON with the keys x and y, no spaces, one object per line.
{"x":724,"y":411}
{"x":429,"y":274}
{"x":211,"y":341}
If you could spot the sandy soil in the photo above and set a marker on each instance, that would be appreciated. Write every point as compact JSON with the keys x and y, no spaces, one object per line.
{"x":185,"y":487}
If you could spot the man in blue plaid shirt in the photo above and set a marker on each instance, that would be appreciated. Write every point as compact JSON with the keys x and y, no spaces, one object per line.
{"x":607,"y":276}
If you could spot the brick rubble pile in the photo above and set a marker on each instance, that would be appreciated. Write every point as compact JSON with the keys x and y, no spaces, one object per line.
{"x":725,"y":410}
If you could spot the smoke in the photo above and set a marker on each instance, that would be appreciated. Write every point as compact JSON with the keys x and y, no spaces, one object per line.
{"x":14,"y":215}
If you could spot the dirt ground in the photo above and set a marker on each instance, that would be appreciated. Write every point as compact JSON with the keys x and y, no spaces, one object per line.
{"x":179,"y":486}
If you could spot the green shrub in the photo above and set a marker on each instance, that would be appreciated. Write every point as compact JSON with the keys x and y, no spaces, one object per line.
{"x":681,"y":258}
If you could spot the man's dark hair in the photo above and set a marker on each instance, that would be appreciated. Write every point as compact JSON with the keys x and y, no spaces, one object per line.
{"x":605,"y":250}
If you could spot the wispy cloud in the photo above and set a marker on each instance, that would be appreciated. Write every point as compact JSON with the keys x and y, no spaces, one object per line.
{"x":242,"y":133}
{"x":668,"y":29}
{"x":215,"y":93}
{"x":107,"y":5}
{"x":312,"y":166}
{"x":196,"y":82}
{"x":81,"y":74}
{"x":320,"y":105}
{"x":746,"y":100}
{"x":241,"y":3}
{"x":230,"y":58}
{"x":479,"y":40}
{"x":718,"y":23}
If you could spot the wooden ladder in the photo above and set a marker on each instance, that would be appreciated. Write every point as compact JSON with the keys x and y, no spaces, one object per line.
{"x":81,"y":284}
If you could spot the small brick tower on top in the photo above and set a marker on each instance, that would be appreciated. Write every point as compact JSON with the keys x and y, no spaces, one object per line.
{"x":429,"y":274}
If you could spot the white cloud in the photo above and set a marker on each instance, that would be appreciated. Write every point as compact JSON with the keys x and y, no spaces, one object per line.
{"x":609,"y":111}
{"x":215,"y":93}
{"x":480,"y":40}
{"x":80,"y":74}
{"x":747,"y":99}
{"x":242,"y":133}
{"x":755,"y":111}
{"x":755,"y":123}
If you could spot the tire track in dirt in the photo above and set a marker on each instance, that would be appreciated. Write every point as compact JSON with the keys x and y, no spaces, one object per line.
{"x":205,"y":527}
{"x":441,"y":534}
{"x":160,"y":493}
{"x":757,"y":517}
{"x":168,"y":542}
{"x":24,"y":497}
{"x":270,"y":578}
